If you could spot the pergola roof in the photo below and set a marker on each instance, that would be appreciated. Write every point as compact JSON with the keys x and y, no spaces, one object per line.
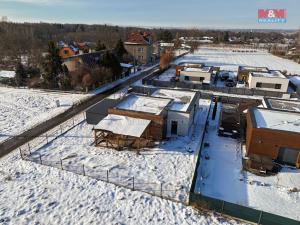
{"x":123,"y":125}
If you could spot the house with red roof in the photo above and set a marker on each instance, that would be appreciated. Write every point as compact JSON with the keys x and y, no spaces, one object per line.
{"x":139,"y":45}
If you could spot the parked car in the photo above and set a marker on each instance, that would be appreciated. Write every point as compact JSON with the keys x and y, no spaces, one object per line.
{"x":229,"y":82}
{"x":224,"y":75}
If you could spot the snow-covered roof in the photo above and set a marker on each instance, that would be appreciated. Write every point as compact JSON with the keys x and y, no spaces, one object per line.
{"x":165,"y":44}
{"x":144,"y":104}
{"x":202,"y":69}
{"x":123,"y":125}
{"x":182,"y":99}
{"x":277,"y":120}
{"x":282,"y":104}
{"x":125,"y":65}
{"x":271,"y":74}
{"x":253,"y":68}
{"x":7,"y":74}
{"x":295,"y":80}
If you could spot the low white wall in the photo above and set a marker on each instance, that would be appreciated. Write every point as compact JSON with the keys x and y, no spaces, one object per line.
{"x":253,"y":80}
{"x":194,"y":76}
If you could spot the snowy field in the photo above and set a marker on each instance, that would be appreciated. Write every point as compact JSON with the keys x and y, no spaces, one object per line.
{"x":35,"y":194}
{"x":221,"y":176}
{"x":20,"y":109}
{"x":171,"y":162}
{"x":229,"y":60}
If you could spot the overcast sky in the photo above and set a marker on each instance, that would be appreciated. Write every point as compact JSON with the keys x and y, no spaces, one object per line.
{"x":160,"y":13}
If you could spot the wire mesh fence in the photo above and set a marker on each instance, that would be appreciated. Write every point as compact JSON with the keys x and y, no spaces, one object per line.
{"x":30,"y":152}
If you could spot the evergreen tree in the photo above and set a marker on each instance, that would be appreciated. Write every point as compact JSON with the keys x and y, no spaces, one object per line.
{"x":20,"y":76}
{"x":120,"y":50}
{"x":165,"y":36}
{"x":52,"y":66}
{"x":110,"y":61}
{"x":100,"y":46}
{"x":177,"y":43}
{"x":226,"y":37}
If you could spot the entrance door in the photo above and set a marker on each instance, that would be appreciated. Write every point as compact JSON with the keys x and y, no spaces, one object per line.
{"x":288,"y":156}
{"x":174,"y":126}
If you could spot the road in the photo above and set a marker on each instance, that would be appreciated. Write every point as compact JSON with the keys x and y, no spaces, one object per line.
{"x":17,"y":141}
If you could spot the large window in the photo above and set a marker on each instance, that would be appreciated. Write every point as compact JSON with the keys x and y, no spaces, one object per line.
{"x":258,"y":84}
{"x":186,"y":78}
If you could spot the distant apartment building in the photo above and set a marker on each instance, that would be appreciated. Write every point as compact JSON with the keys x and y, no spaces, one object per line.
{"x":271,"y":81}
{"x":139,"y":45}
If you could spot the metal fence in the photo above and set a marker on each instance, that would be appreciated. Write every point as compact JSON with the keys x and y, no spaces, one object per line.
{"x":30,"y":152}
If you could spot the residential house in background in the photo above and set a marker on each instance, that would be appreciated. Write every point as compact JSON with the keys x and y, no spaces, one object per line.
{"x":270,"y":81}
{"x":244,"y":72}
{"x":194,"y":74}
{"x":139,"y":45}
{"x":274,"y":135}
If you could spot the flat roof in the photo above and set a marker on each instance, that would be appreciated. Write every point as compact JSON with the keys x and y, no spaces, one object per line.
{"x":182,"y":99}
{"x":277,"y":120}
{"x":271,"y":74}
{"x":144,"y":104}
{"x":255,"y":69}
{"x":282,"y":104}
{"x":193,"y":69}
{"x":123,"y":125}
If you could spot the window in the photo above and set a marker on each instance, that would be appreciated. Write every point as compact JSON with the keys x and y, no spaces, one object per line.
{"x":174,"y":126}
{"x":277,"y":86}
{"x":140,"y":49}
{"x":202,"y":78}
{"x":258,"y":85}
{"x":186,"y":78}
{"x":66,"y":52}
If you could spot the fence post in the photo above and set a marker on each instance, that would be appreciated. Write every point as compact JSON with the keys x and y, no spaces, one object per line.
{"x":41,"y":159}
{"x":28,"y":146}
{"x":107,"y":176}
{"x":61,"y":164}
{"x":161,"y":187}
{"x":83,"y":170}
{"x":47,"y":138}
{"x":260,"y":216}
{"x":21,"y":153}
{"x":133,"y":183}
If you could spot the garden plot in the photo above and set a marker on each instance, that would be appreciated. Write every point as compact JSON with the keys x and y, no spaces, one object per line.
{"x":220,"y":176}
{"x":170,"y":164}
{"x":229,"y":60}
{"x":34,"y":194}
{"x":21,"y":109}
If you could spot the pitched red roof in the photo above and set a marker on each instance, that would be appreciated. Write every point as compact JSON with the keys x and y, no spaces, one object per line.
{"x":139,"y":38}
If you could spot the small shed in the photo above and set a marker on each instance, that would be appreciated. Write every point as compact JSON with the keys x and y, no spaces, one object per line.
{"x":120,"y":132}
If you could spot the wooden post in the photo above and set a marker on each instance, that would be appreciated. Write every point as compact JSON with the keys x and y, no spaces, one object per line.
{"x":161,"y":192}
{"x":107,"y":176}
{"x":83,"y":170}
{"x":41,"y":159}
{"x":95,"y":136}
{"x":47,"y":138}
{"x":133,"y":183}
{"x":61,"y":164}
{"x":28,"y":146}
{"x":21,"y":153}
{"x":260,"y":216}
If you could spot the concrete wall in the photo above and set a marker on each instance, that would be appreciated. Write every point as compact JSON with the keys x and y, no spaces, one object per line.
{"x":194,"y":77}
{"x":269,"y":80}
{"x":183,"y":121}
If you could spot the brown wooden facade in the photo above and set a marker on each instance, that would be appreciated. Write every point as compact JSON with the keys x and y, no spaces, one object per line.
{"x":267,"y":142}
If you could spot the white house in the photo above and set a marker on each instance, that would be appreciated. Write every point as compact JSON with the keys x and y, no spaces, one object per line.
{"x":196,"y":75}
{"x":181,"y":112}
{"x":271,"y":81}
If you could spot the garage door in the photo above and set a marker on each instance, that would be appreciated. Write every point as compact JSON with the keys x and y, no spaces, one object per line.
{"x":288,"y":156}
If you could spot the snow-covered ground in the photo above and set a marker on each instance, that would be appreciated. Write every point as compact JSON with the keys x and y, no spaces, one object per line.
{"x":220,"y":176}
{"x":34,"y":194}
{"x":229,"y":60}
{"x":20,"y":109}
{"x":171,"y":162}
